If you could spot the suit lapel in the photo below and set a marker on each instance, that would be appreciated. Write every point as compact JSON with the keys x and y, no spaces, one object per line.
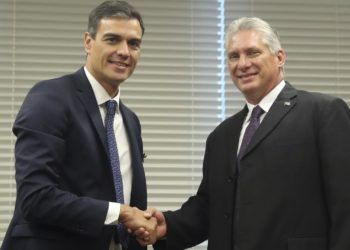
{"x":232,"y":138}
{"x":131,"y":130}
{"x":87,"y":97}
{"x":284,"y":103}
{"x":139,"y":190}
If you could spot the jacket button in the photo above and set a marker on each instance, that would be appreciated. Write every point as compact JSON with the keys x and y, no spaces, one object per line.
{"x":226,"y":216}
{"x":230,"y":179}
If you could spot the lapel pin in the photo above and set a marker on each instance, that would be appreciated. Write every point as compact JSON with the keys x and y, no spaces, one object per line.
{"x":287,"y":103}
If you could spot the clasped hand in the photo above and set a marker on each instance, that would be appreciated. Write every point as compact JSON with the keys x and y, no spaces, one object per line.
{"x":147,"y":226}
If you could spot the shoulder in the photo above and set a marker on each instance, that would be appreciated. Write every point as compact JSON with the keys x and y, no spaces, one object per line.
{"x":320,"y":102}
{"x":52,"y":93}
{"x":310,"y":100}
{"x":56,"y":92}
{"x":321,"y":108}
{"x":54,"y":86}
{"x":229,"y":126}
{"x":315,"y":97}
{"x":47,"y":103}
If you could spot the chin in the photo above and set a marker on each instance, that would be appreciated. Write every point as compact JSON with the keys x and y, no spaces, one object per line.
{"x":246,"y":85}
{"x":119,"y":77}
{"x":248,"y":89}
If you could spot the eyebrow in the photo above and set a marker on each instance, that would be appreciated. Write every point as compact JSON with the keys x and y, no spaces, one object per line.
{"x":247,"y":49}
{"x":110,"y":35}
{"x":119,"y":36}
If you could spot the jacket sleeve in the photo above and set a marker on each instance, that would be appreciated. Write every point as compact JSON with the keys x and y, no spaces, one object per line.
{"x":40,"y":128}
{"x":188,"y":226}
{"x":334,"y":146}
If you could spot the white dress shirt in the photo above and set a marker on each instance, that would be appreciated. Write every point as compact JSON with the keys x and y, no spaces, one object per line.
{"x":265,"y":104}
{"x":102,"y":97}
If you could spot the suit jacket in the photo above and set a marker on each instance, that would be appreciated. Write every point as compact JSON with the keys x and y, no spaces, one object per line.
{"x":64,"y":180}
{"x":293,"y":190}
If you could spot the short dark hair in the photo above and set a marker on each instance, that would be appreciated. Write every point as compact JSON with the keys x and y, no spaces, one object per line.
{"x":110,"y":9}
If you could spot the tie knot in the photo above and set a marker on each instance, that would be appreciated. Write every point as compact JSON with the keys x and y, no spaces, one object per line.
{"x":257,"y":112}
{"x":111,"y":107}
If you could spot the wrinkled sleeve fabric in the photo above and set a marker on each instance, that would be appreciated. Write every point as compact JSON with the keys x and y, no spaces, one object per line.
{"x":41,"y":128}
{"x":188,"y":226}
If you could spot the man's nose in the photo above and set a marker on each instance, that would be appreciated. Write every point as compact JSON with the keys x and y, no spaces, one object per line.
{"x":243,"y":62}
{"x":123,"y":49}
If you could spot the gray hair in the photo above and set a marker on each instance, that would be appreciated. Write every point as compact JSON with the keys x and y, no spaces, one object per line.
{"x":268,"y":35}
{"x":111,"y":9}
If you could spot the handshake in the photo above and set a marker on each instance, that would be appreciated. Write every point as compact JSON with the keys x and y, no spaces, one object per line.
{"x":147,"y":226}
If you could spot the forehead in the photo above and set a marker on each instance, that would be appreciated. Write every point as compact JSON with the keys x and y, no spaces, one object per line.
{"x":245,"y":39}
{"x":120,"y":26}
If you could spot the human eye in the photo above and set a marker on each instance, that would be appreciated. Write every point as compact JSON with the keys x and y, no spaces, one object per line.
{"x":233,"y":57}
{"x":254,"y":53}
{"x":135,"y":43}
{"x":111,"y":39}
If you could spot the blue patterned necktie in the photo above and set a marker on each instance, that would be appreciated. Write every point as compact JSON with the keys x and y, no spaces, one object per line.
{"x":252,"y":127}
{"x":111,"y":106}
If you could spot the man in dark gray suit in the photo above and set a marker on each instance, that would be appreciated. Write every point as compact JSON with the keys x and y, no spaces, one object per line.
{"x":280,"y":185}
{"x":66,"y":195}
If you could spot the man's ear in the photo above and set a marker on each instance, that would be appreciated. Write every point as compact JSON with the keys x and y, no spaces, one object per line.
{"x":281,"y":57}
{"x":87,"y":42}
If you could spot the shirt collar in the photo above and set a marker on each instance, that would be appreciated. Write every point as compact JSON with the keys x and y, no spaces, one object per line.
{"x":101,"y":94}
{"x":269,"y":99}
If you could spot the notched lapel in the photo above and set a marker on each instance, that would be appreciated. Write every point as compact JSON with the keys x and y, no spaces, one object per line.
{"x":232,"y":139}
{"x":138,"y":191}
{"x":131,"y":130}
{"x":87,"y":97}
{"x":280,"y":108}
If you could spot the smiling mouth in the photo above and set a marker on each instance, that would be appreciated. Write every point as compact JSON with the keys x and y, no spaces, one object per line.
{"x":246,"y":75}
{"x":119,"y":64}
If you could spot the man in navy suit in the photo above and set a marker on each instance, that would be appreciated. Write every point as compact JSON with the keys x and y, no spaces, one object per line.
{"x":288,"y":188}
{"x":65,"y":190}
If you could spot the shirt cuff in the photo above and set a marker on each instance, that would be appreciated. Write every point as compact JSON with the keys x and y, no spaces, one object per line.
{"x":112,"y":213}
